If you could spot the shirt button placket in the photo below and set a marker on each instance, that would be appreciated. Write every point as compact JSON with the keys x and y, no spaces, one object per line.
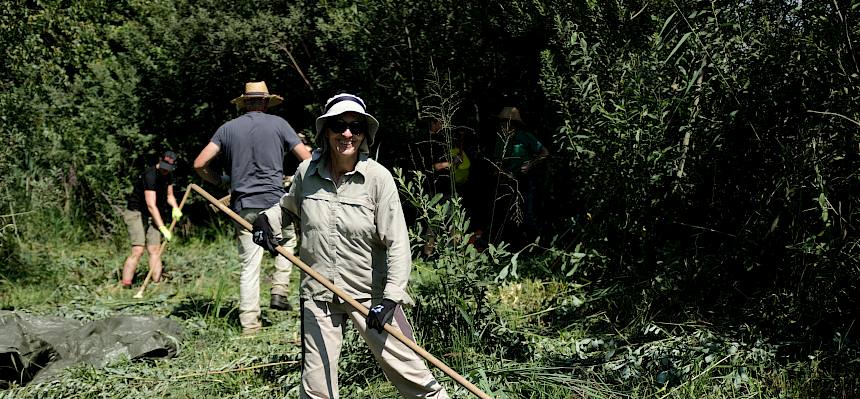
{"x":335,"y":264}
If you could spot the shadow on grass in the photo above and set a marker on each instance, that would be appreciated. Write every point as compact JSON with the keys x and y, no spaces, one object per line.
{"x":292,"y":363}
{"x":200,"y":307}
{"x":13,"y":267}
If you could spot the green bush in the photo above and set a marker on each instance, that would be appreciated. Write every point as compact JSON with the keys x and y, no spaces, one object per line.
{"x":703,"y":163}
{"x":699,"y":150}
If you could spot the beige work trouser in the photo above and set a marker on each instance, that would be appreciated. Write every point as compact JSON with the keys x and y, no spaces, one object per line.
{"x":251,"y":255}
{"x":323,"y":325}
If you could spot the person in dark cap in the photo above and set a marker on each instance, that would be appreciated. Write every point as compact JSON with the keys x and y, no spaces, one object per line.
{"x":146,"y":215}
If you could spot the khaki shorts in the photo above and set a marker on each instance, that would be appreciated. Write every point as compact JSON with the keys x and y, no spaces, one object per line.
{"x":135,"y":223}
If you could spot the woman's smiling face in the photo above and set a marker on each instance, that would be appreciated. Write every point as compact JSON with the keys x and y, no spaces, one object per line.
{"x":353,"y":129}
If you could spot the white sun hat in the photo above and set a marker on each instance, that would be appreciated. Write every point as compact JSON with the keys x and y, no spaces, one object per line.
{"x":339,"y":104}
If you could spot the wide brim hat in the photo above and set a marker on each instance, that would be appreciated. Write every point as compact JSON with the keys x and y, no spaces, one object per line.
{"x":257,"y":90}
{"x":339,"y":104}
{"x":511,"y":114}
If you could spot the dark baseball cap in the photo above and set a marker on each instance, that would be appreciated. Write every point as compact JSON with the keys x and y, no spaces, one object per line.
{"x":168,"y":166}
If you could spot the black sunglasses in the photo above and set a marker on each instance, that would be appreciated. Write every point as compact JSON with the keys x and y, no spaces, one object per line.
{"x":339,"y":126}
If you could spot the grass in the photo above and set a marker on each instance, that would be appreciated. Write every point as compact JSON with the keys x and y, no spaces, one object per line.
{"x":201,"y":292}
{"x":530,"y":341}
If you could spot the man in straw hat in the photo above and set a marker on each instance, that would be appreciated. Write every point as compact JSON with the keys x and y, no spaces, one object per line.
{"x":255,"y":144}
{"x":353,"y":233}
{"x":146,"y":216}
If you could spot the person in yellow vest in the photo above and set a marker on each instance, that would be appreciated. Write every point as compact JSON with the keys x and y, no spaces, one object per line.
{"x":456,"y":162}
{"x":443,"y":158}
{"x":445,"y":163}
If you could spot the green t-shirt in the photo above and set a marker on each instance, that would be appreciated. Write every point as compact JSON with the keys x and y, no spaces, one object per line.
{"x":521,"y":147}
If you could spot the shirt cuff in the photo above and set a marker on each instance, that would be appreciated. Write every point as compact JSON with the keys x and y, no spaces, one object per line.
{"x":398,"y":295}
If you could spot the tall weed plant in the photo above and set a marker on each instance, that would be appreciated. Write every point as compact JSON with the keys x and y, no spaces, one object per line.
{"x":702,"y":158}
{"x":454,"y":279}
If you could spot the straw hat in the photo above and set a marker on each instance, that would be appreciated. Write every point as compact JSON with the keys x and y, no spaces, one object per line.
{"x":339,"y":104}
{"x":511,"y":114}
{"x":257,"y":90}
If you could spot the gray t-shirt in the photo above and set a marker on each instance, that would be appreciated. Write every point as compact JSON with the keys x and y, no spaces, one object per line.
{"x":255,"y":144}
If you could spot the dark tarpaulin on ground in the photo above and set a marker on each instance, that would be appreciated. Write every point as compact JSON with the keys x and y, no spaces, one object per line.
{"x":38,"y":348}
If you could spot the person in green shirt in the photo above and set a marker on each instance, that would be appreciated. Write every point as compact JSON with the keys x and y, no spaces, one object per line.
{"x":517,"y":152}
{"x":516,"y":148}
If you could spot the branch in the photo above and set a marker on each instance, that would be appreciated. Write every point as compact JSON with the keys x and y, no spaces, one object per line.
{"x":296,"y":65}
{"x":834,"y":114}
{"x":259,"y":366}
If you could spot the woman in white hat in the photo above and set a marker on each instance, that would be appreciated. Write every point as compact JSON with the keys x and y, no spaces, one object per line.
{"x":352,"y":232}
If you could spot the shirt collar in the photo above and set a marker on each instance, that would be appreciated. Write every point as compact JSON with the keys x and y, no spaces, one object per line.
{"x":319,"y":165}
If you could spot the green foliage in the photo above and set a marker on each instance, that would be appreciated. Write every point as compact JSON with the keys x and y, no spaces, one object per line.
{"x":703,"y":167}
{"x":522,"y":350}
{"x":701,"y":147}
{"x":69,"y":111}
{"x":458,"y":274}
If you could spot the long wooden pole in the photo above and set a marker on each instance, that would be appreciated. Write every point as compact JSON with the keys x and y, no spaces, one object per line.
{"x":394,"y":332}
{"x":139,"y":293}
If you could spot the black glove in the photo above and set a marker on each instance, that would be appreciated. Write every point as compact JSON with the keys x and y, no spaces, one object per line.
{"x":262,"y":234}
{"x":379,"y":313}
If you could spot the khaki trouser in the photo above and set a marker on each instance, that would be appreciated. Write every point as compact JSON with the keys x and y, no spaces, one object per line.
{"x":251,"y":255}
{"x":323,"y":325}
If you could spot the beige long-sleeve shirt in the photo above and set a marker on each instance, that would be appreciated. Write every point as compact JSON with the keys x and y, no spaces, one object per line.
{"x":353,"y":234}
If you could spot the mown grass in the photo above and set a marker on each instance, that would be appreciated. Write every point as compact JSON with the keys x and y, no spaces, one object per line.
{"x":200,"y":292}
{"x":526,"y":338}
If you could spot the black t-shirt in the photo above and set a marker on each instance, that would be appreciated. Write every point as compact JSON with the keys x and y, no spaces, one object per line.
{"x":428,"y":153}
{"x":151,"y":179}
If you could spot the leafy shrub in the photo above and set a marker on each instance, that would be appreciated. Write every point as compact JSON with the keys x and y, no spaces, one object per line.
{"x":694,"y":144}
{"x":453,"y":284}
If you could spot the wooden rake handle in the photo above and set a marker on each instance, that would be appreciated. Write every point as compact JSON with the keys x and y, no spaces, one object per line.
{"x":139,"y":293}
{"x":394,"y":332}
